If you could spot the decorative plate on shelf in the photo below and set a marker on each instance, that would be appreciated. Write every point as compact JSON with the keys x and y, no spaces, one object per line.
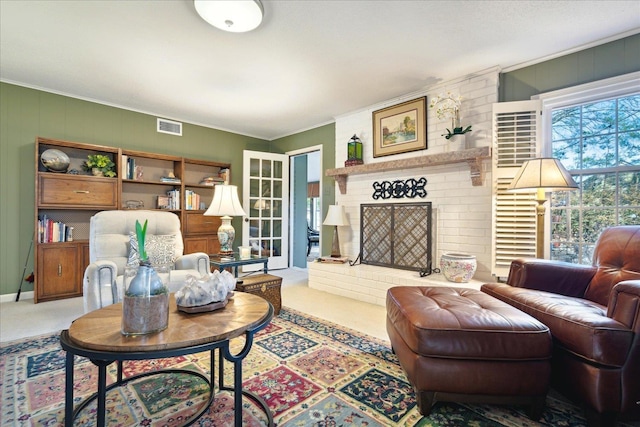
{"x":55,"y":160}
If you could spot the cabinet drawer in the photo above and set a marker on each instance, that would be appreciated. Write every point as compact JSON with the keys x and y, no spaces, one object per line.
{"x":74,"y":191}
{"x":196,"y":223}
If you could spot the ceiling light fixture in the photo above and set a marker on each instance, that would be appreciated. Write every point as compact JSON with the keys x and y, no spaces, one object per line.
{"x":236,"y":16}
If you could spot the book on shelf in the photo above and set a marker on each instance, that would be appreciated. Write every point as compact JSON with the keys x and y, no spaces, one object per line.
{"x":170,"y":180}
{"x":191,"y":200}
{"x":125,"y":166}
{"x":211,"y":180}
{"x":130,"y":167}
{"x":51,"y":231}
{"x":174,"y":199}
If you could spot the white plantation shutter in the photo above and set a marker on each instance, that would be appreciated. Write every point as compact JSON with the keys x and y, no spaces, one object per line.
{"x":516,"y":138}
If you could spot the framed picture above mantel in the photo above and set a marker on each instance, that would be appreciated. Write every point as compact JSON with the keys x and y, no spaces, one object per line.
{"x":400,"y":128}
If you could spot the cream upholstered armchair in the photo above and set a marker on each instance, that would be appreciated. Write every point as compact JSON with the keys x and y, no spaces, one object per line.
{"x":110,"y":236}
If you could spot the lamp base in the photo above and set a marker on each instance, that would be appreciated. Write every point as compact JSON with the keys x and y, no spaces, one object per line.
{"x":335,"y":247}
{"x":226,"y":234}
{"x":540,"y":212}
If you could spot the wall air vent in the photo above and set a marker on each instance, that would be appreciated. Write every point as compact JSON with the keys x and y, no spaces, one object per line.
{"x":170,"y":127}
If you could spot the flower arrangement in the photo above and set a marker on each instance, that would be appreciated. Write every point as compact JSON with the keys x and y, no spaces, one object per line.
{"x":141,"y":232}
{"x":146,"y":282}
{"x":101,"y":163}
{"x":448,"y":107}
{"x":145,"y":304}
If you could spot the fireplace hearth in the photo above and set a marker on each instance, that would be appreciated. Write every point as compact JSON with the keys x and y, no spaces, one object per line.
{"x":396,"y":235}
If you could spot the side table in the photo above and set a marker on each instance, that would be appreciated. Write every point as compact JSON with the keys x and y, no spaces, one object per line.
{"x":234,"y":261}
{"x":96,"y":336}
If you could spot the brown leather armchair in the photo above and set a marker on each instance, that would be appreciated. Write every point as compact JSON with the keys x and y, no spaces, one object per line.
{"x":593,"y":313}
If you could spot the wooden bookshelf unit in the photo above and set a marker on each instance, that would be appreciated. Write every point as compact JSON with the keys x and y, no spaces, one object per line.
{"x":68,"y":200}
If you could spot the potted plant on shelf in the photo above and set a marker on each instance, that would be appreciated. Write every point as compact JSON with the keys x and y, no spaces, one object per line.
{"x":448,"y":107}
{"x":99,"y":165}
{"x":145,"y":305}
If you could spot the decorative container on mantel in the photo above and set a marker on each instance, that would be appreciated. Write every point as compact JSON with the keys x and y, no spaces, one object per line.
{"x":145,"y":305}
{"x":458,"y":267}
{"x":457,"y":142}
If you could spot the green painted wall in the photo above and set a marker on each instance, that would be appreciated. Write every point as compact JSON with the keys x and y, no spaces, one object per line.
{"x":600,"y":62}
{"x":325,"y":136}
{"x":27,"y":113}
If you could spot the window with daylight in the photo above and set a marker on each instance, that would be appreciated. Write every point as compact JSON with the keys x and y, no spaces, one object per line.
{"x":599,"y":143}
{"x":314,"y":220}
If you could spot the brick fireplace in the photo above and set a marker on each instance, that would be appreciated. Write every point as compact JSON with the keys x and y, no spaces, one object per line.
{"x":461,"y":206}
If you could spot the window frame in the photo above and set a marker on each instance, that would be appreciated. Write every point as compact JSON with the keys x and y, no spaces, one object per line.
{"x":616,"y":87}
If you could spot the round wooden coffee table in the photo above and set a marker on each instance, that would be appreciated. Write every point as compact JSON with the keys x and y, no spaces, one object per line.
{"x":96,"y":336}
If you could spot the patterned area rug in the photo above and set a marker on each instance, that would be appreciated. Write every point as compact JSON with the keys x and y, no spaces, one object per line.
{"x":310,"y":373}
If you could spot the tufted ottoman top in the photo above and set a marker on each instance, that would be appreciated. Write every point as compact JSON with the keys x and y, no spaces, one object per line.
{"x":465,"y":323}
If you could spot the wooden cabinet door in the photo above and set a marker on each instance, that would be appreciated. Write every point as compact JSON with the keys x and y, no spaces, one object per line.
{"x":207,"y":244}
{"x":196,"y":244}
{"x":57,"y":272}
{"x":84,"y":259}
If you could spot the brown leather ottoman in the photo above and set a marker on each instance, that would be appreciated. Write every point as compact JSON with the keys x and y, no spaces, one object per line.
{"x":462,"y":345}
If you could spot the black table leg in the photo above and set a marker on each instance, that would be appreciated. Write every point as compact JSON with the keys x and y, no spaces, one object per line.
{"x":102,"y":391}
{"x":237,"y":392}
{"x":221,"y":372}
{"x":212,"y":372}
{"x":68,"y":391}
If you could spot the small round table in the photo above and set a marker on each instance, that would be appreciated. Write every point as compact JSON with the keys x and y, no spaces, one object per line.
{"x":96,"y":336}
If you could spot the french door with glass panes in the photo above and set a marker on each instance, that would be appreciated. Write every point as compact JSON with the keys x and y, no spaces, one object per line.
{"x":266,"y":200}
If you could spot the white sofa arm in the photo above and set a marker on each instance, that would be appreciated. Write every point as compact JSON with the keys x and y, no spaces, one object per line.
{"x":99,"y":285}
{"x":196,"y":261}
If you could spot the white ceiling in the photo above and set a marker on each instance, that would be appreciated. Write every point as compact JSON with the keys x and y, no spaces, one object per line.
{"x":308,"y":62}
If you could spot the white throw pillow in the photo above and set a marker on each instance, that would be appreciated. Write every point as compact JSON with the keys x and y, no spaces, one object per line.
{"x":160,"y":249}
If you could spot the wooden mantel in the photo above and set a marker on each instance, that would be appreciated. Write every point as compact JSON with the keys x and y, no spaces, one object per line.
{"x":472,"y":156}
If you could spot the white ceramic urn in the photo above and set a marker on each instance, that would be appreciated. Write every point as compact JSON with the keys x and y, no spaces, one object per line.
{"x":458,"y":267}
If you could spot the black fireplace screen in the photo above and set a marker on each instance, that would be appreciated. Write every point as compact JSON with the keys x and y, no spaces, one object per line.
{"x":396,"y":235}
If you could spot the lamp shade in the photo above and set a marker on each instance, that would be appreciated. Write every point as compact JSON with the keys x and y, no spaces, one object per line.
{"x":336,"y":216}
{"x":236,"y":16}
{"x":261,"y":204}
{"x":547,"y":174}
{"x":225,"y":202}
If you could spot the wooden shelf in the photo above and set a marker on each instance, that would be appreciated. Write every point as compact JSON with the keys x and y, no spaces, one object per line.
{"x":73,"y":199}
{"x":473,"y":157}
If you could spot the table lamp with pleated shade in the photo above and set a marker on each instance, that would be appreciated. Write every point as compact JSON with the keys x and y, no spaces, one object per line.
{"x":336,"y":217}
{"x":226,"y":205}
{"x":542,"y":175}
